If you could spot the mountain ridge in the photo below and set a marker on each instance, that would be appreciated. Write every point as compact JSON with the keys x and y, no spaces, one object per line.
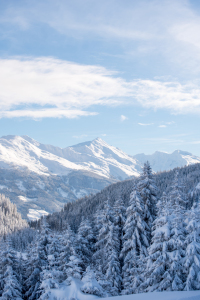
{"x":41,"y":178}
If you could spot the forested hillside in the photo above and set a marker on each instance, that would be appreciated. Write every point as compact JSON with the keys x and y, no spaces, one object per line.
{"x":134,"y":237}
{"x":86,"y":207}
{"x":10,"y":219}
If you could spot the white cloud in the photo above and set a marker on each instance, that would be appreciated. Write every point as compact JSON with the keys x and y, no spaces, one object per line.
{"x":174,"y":96}
{"x":123,"y":118}
{"x":162,"y":126}
{"x":48,"y":87}
{"x":103,"y":134}
{"x":144,"y":124}
{"x":158,"y":27}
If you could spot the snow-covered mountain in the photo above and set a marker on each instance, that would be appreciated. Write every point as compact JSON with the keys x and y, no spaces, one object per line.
{"x":162,"y":161}
{"x":40,"y":178}
{"x":97,"y":157}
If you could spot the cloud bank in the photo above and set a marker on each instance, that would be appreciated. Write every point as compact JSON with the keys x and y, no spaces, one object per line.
{"x":49,"y":87}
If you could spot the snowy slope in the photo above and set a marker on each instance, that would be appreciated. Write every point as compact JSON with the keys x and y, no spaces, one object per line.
{"x":161,"y":161}
{"x":15,"y":151}
{"x":96,"y":157}
{"x":192,"y":295}
{"x":73,"y":291}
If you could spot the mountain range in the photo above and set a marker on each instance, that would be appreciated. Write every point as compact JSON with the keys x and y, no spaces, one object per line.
{"x":41,"y":178}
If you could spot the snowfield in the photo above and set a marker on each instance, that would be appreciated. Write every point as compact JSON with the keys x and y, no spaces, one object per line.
{"x":73,"y":292}
{"x":192,"y":295}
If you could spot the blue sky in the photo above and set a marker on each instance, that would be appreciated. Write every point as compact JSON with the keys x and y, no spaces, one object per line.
{"x":125,"y":71}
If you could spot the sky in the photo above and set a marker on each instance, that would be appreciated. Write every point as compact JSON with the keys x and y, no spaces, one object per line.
{"x":125,"y":71}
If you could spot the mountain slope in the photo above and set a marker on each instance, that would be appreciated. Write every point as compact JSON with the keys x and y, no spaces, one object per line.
{"x":40,"y":178}
{"x":161,"y":161}
{"x":95,"y":156}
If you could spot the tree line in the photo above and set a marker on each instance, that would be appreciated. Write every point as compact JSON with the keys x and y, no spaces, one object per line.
{"x":152,"y":244}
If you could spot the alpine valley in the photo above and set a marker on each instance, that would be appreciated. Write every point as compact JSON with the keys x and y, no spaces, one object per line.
{"x":41,"y":179}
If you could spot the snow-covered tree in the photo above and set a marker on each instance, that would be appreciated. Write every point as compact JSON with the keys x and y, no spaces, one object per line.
{"x":148,"y":191}
{"x":108,"y":250}
{"x":91,"y":286}
{"x":135,"y":243}
{"x":11,"y":287}
{"x":67,"y":244}
{"x":192,"y":262}
{"x":177,"y":202}
{"x":120,"y":218}
{"x":74,"y":269}
{"x":85,"y":242}
{"x":157,"y":275}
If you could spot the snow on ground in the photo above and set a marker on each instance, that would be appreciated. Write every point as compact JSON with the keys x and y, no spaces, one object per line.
{"x":35,"y":214}
{"x":81,"y":193}
{"x":192,"y":295}
{"x":26,"y":199}
{"x":20,"y":186}
{"x":71,"y":292}
{"x":62,"y":193}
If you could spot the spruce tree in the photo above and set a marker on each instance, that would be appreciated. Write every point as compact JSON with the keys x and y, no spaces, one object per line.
{"x":85,"y":242}
{"x":135,"y":243}
{"x":11,"y":287}
{"x":157,"y":276}
{"x":192,"y":262}
{"x":108,"y":250}
{"x":148,"y":192}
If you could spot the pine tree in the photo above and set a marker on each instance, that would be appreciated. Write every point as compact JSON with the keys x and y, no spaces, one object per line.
{"x":135,"y":243}
{"x":67,"y":245}
{"x":192,"y":262}
{"x":90,"y":284}
{"x":157,"y":275}
{"x":108,"y":250}
{"x":74,"y":269}
{"x":32,"y":273}
{"x":178,"y":231}
{"x":11,"y":287}
{"x":85,"y":242}
{"x":148,"y":191}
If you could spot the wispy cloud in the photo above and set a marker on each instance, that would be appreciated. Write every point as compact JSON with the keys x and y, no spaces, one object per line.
{"x":49,"y":87}
{"x":144,"y":124}
{"x":167,"y":28}
{"x":162,"y":126}
{"x":123,"y":118}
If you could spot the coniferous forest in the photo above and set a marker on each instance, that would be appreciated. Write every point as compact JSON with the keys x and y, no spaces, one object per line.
{"x":137,"y":236}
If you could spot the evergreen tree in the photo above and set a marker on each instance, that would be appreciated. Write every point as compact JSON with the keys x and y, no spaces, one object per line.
{"x":148,"y":191}
{"x":11,"y":287}
{"x":74,"y":269}
{"x":67,"y":245}
{"x":108,"y":250}
{"x":192,"y":262}
{"x":85,"y":243}
{"x":157,"y":275}
{"x":91,"y":286}
{"x":135,"y":243}
{"x":178,"y":231}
